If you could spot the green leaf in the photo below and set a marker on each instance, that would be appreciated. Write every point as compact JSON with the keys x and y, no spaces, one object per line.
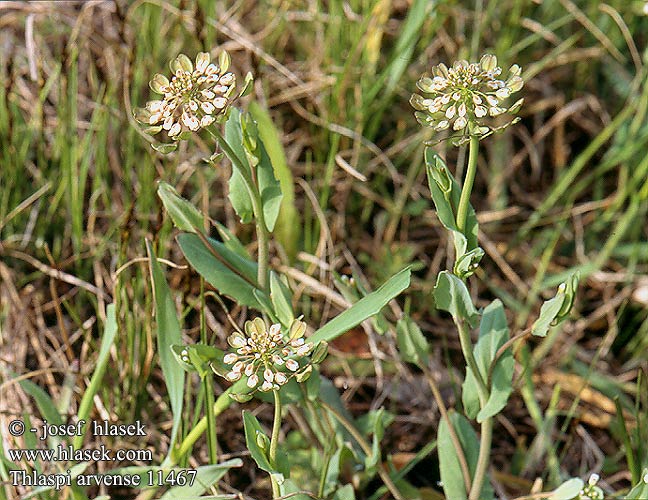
{"x":281,"y":300}
{"x":231,"y":241}
{"x":345,"y":493}
{"x":238,"y":191}
{"x":548,"y":313}
{"x":374,"y":423}
{"x":257,"y":442}
{"x":107,"y":340}
{"x":46,"y":407}
{"x":364,"y":308}
{"x":168,"y":333}
{"x":569,"y":288}
{"x":269,"y":187}
{"x":183,"y":214}
{"x":451,"y":476}
{"x":241,"y":136}
{"x":225,"y":270}
{"x":288,"y":489}
{"x":467,"y":263}
{"x":493,"y":333}
{"x":451,"y":295}
{"x":164,"y":147}
{"x":569,"y":489}
{"x":412,"y":345}
{"x":266,"y":305}
{"x":446,"y":194}
{"x":640,"y":491}
{"x":288,"y":227}
{"x":555,"y":310}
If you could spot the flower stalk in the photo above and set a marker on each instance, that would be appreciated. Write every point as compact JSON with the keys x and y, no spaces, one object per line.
{"x":274,"y":440}
{"x":466,"y":190}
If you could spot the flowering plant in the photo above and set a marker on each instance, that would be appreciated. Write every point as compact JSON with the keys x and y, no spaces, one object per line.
{"x":273,"y":353}
{"x":467,"y":98}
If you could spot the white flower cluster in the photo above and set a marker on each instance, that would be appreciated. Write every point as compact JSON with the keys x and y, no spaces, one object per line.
{"x":465,"y":96}
{"x":192,"y":99}
{"x":262,"y":353}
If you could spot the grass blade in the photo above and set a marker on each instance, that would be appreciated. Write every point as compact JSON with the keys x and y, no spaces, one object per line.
{"x":110,"y":332}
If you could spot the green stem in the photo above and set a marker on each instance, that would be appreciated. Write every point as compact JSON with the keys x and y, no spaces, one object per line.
{"x":257,"y":206}
{"x":483,"y":458}
{"x":487,"y":424}
{"x":467,"y":349}
{"x":274,"y":440}
{"x":207,"y":385}
{"x":464,"y":201}
{"x":276,"y":425}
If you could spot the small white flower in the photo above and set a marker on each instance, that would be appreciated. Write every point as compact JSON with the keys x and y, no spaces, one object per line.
{"x":292,"y":365}
{"x":460,"y":123}
{"x":266,"y":386}
{"x":503,"y":93}
{"x":230,"y":358}
{"x":175,"y":129}
{"x":236,"y":341}
{"x":206,"y":120}
{"x":305,"y":349}
{"x":227,"y":79}
{"x":281,"y":378}
{"x":297,"y":342}
{"x":253,"y":381}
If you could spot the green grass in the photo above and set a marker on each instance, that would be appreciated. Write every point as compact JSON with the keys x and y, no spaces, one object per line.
{"x":78,"y":181}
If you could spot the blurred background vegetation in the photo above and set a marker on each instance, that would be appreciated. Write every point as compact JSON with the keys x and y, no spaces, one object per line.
{"x":564,"y":190}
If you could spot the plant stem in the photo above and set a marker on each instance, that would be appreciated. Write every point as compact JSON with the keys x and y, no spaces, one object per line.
{"x":487,"y":424}
{"x":467,"y":349}
{"x":207,"y":385}
{"x":257,"y":206}
{"x":464,"y":200}
{"x":483,"y":458}
{"x":212,"y":442}
{"x":276,"y":425}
